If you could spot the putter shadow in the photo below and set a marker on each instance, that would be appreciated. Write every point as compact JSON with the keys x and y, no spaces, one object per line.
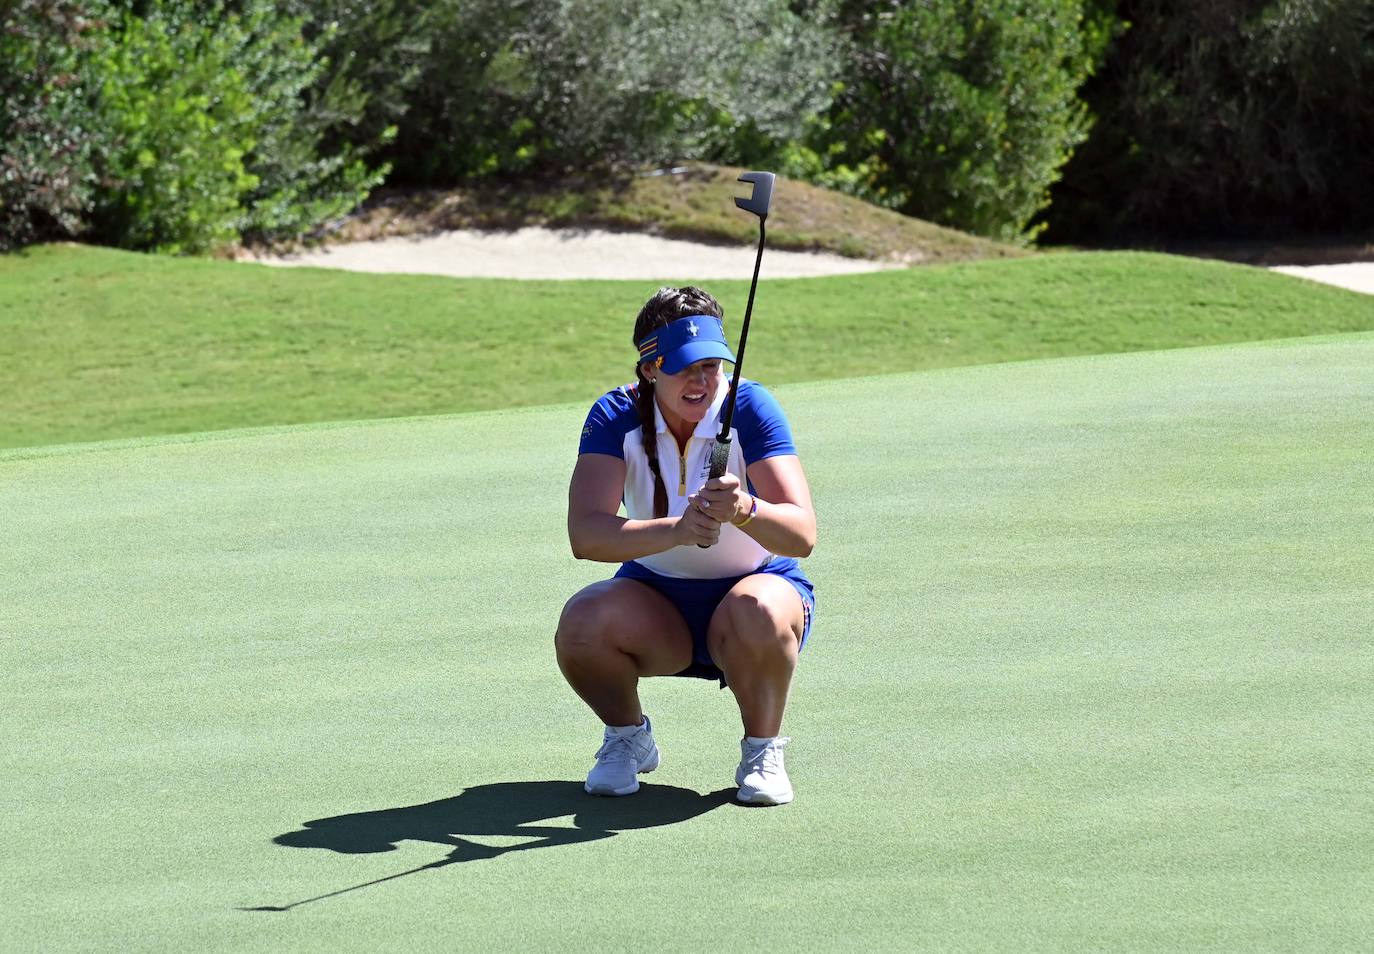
{"x":511,"y":809}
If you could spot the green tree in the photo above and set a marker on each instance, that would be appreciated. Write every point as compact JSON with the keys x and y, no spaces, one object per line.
{"x":373,"y":54}
{"x":47,"y":128}
{"x":213,"y":131}
{"x":563,"y":85}
{"x":1237,"y":117}
{"x":961,"y":111}
{"x":179,"y":114}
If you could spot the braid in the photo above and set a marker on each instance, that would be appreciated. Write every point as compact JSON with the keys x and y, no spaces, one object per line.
{"x":644,"y":400}
{"x":667,"y":305}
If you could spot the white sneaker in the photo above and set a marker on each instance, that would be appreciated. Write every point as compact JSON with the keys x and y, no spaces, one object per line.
{"x":761,"y":776}
{"x":620,"y":759}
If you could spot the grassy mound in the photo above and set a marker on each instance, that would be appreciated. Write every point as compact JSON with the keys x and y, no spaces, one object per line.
{"x":1090,"y":671}
{"x":100,"y":344}
{"x":689,"y":202}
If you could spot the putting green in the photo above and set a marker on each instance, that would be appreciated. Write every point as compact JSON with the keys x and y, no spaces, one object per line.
{"x":1092,"y":669}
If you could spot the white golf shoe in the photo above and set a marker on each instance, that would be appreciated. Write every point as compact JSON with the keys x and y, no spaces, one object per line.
{"x":761,"y":776}
{"x":624,"y":754}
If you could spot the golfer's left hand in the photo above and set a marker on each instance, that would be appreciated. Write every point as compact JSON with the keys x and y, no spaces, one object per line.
{"x":720,"y":498}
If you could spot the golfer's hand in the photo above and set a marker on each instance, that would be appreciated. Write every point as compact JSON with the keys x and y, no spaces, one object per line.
{"x":696,"y":526}
{"x":722,"y":499}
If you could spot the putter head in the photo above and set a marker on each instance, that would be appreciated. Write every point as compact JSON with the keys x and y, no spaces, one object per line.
{"x":762,"y":196}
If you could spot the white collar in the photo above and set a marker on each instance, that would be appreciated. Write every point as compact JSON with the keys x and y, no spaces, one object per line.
{"x":709,"y":425}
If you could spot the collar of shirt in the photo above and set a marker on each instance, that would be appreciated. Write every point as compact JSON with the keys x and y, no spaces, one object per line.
{"x":709,"y":425}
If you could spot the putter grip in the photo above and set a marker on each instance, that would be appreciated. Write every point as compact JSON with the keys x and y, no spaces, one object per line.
{"x":720,"y":458}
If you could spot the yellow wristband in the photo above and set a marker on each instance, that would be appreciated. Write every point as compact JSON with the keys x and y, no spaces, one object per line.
{"x":753,"y":512}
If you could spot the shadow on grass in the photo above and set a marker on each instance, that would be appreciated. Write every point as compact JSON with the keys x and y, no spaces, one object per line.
{"x":508,"y":809}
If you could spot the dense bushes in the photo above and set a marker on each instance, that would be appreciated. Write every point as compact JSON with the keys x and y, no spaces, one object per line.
{"x":963,"y":112}
{"x":180,"y":128}
{"x":1233,"y":117}
{"x":212,"y":131}
{"x":171,"y":125}
{"x":46,"y":120}
{"x":953,"y":110}
{"x":188,"y":124}
{"x":217,"y":120}
{"x":561,"y":85}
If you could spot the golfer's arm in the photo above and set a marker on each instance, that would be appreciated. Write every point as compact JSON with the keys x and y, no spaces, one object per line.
{"x":785,"y":522}
{"x":595,"y":529}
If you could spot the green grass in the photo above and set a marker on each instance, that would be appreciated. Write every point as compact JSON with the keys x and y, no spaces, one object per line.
{"x":1091,"y":671}
{"x":100,"y":344}
{"x":696,"y":203}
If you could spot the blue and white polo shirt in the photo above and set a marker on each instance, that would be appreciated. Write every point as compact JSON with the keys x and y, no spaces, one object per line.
{"x":759,"y":430}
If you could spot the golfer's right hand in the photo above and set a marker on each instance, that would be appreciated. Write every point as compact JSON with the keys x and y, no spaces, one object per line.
{"x":696,"y":528}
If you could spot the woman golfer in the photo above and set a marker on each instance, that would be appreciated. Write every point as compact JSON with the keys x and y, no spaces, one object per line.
{"x":709,"y":585}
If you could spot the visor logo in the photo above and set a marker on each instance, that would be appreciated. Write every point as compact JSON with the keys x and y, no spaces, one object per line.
{"x":692,"y":328}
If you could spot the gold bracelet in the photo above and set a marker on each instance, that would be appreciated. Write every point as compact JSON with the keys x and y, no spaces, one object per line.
{"x":753,"y":512}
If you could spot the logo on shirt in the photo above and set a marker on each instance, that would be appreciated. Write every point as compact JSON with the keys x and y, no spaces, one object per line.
{"x":692,"y":328}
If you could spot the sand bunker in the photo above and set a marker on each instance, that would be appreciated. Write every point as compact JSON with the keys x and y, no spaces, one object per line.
{"x":1357,"y":276}
{"x":597,"y":253}
{"x":571,"y":254}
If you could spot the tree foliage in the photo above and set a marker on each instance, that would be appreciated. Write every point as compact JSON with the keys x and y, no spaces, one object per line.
{"x":178,"y":111}
{"x":171,"y":124}
{"x":962,"y":111}
{"x":190,"y":124}
{"x":561,"y":85}
{"x":372,"y":55}
{"x":1230,"y":117}
{"x":46,"y":121}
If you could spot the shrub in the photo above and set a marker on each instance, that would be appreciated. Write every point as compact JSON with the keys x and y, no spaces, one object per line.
{"x":961,"y":111}
{"x":308,"y":159}
{"x":212,"y":131}
{"x":373,"y":54}
{"x":567,"y":84}
{"x":1237,"y":117}
{"x":180,"y":116}
{"x":47,"y":126}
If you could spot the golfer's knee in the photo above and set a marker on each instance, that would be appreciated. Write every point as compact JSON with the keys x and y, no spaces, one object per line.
{"x":585,"y":628}
{"x":758,"y":628}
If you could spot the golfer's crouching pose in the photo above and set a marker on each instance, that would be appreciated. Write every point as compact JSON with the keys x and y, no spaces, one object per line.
{"x":708,"y":585}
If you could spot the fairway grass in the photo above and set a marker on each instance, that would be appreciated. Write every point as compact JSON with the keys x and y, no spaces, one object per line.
{"x":99,"y":344}
{"x":1091,"y":671}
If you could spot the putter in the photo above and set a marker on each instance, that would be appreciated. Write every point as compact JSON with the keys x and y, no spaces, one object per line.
{"x":758,"y":203}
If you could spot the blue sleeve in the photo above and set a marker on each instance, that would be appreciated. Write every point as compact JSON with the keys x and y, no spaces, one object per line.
{"x":609,"y":420}
{"x":763,"y":429}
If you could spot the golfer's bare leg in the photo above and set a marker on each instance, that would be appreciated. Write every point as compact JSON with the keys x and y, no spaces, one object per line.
{"x":754,"y":638}
{"x":611,"y":634}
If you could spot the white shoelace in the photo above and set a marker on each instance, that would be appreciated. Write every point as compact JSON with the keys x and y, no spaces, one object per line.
{"x":619,"y":749}
{"x":767,"y":757}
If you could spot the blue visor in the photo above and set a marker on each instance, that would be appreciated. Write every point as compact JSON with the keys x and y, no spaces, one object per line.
{"x":685,"y":341}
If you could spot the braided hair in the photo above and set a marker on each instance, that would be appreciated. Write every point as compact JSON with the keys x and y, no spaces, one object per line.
{"x":666,"y":306}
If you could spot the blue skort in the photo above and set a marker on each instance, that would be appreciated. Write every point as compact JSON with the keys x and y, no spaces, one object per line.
{"x":697,"y":600}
